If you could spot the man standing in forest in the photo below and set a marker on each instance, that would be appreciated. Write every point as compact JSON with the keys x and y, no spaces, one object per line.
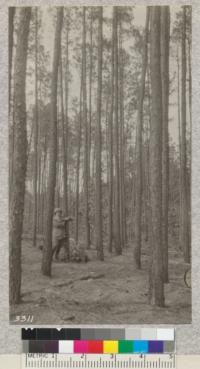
{"x":59,"y":232}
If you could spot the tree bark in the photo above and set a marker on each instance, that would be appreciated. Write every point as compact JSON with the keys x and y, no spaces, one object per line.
{"x":47,"y":250}
{"x":19,"y":156}
{"x":11,"y":123}
{"x":179,"y":134}
{"x":11,"y":31}
{"x":184,"y":231}
{"x":178,"y":104}
{"x":86,"y":168}
{"x":79,"y":136}
{"x":35,"y":171}
{"x":156,"y":158}
{"x":117,"y":236}
{"x":64,"y":126}
{"x":138,"y":197}
{"x":146,"y":160}
{"x":121,"y":140}
{"x":164,"y":44}
{"x":190,"y":83}
{"x":98,"y":212}
{"x":90,"y":90}
{"x":110,"y":134}
{"x":67,"y":77}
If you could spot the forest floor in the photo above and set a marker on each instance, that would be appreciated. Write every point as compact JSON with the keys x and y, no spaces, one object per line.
{"x":108,"y":292}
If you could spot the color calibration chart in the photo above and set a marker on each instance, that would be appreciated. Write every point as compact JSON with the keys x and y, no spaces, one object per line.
{"x":98,"y":348}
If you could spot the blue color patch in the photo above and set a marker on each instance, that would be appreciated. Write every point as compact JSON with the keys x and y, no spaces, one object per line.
{"x":140,"y":347}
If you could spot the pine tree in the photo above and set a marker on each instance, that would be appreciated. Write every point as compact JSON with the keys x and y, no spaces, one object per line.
{"x":19,"y":156}
{"x":117,"y":236}
{"x":156,"y":158}
{"x":47,"y":250}
{"x":138,"y":197}
{"x":98,"y":213}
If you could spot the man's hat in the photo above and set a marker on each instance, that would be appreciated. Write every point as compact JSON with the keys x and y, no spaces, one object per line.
{"x":57,"y":210}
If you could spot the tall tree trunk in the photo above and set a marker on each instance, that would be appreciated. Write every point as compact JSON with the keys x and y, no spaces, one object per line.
{"x":178,"y":105}
{"x":117,"y":236}
{"x":156,"y":158}
{"x":39,"y":213}
{"x":79,"y":135}
{"x":35,"y":171}
{"x":184,"y":208}
{"x":90,"y":90}
{"x":67,"y":77}
{"x":190,"y":82}
{"x":47,"y":250}
{"x":64,"y":126}
{"x":11,"y":31}
{"x":146,"y":159}
{"x":107,"y":137}
{"x":138,"y":197}
{"x":133,"y":184}
{"x":85,"y":120}
{"x":121,"y":140}
{"x":179,"y":136}
{"x":110,"y":134}
{"x":44,"y":178}
{"x":189,"y":140}
{"x":19,"y":156}
{"x":98,"y":212}
{"x":57,"y":186}
{"x":11,"y":123}
{"x":164,"y":44}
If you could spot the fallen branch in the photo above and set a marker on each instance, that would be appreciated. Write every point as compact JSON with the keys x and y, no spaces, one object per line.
{"x":69,"y":283}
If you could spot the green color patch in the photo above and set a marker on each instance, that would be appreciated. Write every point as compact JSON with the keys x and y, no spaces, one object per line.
{"x":125,"y":347}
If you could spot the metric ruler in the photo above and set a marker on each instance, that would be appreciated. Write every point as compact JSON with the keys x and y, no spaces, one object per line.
{"x":107,"y":361}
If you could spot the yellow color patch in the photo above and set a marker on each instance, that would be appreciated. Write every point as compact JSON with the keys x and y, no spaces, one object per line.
{"x":110,"y":347}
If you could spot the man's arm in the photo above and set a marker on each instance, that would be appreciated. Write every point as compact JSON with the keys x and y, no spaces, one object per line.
{"x":68,"y":219}
{"x":58,"y":223}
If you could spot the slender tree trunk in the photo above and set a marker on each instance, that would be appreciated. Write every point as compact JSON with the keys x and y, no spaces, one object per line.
{"x":98,"y":212}
{"x":67,"y":77}
{"x":138,"y":198}
{"x":57,"y":186}
{"x":90,"y":89}
{"x":29,"y":169}
{"x":190,"y":83}
{"x":11,"y":122}
{"x":179,"y":132}
{"x":39,"y":192}
{"x":121,"y":140}
{"x":64,"y":126}
{"x":19,"y":156}
{"x":47,"y":250}
{"x":85,"y":120}
{"x":11,"y":31}
{"x":146,"y":168}
{"x":178,"y":104}
{"x":107,"y":137}
{"x":110,"y":134}
{"x":79,"y":135}
{"x":39,"y":213}
{"x":147,"y":160}
{"x":189,"y":140}
{"x":117,"y":236}
{"x":164,"y":44}
{"x":133,"y":192}
{"x":35,"y":171}
{"x":156,"y":158}
{"x":44,"y":176}
{"x":184,"y":208}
